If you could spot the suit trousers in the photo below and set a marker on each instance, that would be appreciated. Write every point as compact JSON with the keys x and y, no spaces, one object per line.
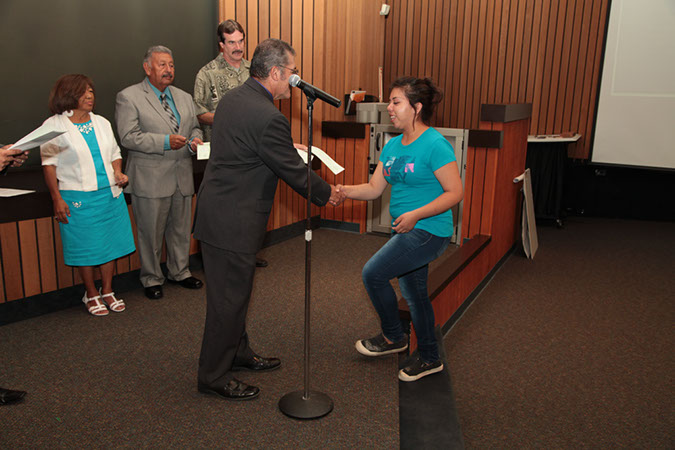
{"x":229,"y":281}
{"x":158,"y":219}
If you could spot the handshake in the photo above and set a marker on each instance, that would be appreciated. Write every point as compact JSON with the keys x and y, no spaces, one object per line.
{"x":337,"y":195}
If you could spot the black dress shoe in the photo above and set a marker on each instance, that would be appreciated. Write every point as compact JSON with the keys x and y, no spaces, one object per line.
{"x":154,"y":292}
{"x":189,"y":283}
{"x":257,"y":364}
{"x":8,"y":397}
{"x":260,"y":262}
{"x":233,"y":390}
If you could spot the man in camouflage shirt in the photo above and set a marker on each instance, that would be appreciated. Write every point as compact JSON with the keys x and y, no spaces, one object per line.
{"x":227,"y":71}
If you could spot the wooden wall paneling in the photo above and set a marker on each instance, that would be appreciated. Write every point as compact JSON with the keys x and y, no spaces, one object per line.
{"x":478,"y":190}
{"x":494,"y":55}
{"x":30,"y":265}
{"x":11,"y":261}
{"x":64,"y":273}
{"x":579,"y":40}
{"x":263,"y":23}
{"x":566,"y":67}
{"x":45,"y":242}
{"x":435,"y":30}
{"x":463,"y":66}
{"x":390,"y":45}
{"x":486,"y":62}
{"x":252,"y":31}
{"x":227,"y":9}
{"x":517,"y":49}
{"x":555,"y":69}
{"x":241,"y":12}
{"x":467,"y":202}
{"x":451,"y":64}
{"x":427,"y":30}
{"x":475,"y":82}
{"x":582,"y":88}
{"x":285,"y":34}
{"x":334,"y":213}
{"x":298,"y":110}
{"x":346,"y":177}
{"x":341,"y":150}
{"x":491,"y":166}
{"x":532,"y":17}
{"x":298,"y":106}
{"x":547,"y":96}
{"x":474,"y":69}
{"x":442,"y":58}
{"x":595,"y":77}
{"x":318,"y":63}
{"x":363,"y":172}
{"x":275,"y":18}
{"x":541,"y":56}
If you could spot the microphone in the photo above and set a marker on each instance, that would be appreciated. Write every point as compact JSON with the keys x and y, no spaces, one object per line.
{"x":313,"y":92}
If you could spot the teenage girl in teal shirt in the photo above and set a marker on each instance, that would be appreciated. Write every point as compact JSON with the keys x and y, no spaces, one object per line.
{"x":421,"y":168}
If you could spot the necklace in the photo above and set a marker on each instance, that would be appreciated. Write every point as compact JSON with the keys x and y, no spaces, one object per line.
{"x":84,"y":128}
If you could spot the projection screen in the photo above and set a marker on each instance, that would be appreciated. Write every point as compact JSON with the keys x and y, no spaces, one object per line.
{"x":635,"y":123}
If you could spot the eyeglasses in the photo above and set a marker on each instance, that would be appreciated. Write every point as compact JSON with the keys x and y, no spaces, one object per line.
{"x":293,"y":71}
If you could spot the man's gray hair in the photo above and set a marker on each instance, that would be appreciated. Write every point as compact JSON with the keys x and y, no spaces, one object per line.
{"x":269,"y":53}
{"x":156,"y":49}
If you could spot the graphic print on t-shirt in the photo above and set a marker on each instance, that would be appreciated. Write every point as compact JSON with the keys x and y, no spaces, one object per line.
{"x":396,"y":168}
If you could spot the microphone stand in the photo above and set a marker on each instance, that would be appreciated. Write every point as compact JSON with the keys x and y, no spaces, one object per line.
{"x":307,"y":404}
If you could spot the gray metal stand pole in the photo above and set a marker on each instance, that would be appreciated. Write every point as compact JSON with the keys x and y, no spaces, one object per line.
{"x":307,"y":404}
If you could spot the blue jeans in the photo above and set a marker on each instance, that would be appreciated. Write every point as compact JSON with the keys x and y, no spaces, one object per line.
{"x":406,"y":256}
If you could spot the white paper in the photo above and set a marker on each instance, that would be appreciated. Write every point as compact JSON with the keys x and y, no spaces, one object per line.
{"x":324,"y":158}
{"x":37,"y":137}
{"x":7,"y":192}
{"x":204,"y":150}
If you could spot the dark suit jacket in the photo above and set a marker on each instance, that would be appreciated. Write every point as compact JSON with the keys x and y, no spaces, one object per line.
{"x":251,"y":148}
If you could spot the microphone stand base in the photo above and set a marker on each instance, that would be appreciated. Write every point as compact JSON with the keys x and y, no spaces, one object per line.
{"x":297,"y":406}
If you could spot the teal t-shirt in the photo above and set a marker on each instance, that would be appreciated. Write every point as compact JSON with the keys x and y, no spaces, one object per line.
{"x":410,"y":171}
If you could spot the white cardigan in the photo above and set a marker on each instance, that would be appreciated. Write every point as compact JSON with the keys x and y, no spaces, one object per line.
{"x":69,"y":152}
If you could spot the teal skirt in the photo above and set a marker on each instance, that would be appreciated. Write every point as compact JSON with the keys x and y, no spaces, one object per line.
{"x":98,"y":229}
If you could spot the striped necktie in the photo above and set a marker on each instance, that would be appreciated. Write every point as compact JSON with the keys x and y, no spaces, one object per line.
{"x":172,"y":117}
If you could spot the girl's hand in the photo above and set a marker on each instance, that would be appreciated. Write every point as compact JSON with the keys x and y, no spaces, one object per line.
{"x":405,"y":222}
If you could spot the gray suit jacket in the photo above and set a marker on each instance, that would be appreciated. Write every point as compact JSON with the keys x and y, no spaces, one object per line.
{"x":142,"y":125}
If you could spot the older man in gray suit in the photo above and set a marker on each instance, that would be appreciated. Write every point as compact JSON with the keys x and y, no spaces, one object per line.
{"x":158,"y":125}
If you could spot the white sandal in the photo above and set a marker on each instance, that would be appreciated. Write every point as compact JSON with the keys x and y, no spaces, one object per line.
{"x":117,"y":305}
{"x":97,"y":309}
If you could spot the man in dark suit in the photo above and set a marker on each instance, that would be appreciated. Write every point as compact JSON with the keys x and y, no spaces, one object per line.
{"x":251,"y":148}
{"x":158,"y":125}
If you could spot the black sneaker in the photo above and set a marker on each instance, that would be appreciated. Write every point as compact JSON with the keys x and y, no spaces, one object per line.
{"x":378,"y":346}
{"x":417,"y":369}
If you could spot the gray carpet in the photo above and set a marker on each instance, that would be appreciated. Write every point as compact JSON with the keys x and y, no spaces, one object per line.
{"x":129,"y":380}
{"x":573,"y":349}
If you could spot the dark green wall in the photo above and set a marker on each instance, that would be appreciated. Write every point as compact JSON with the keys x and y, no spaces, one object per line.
{"x":40,"y":40}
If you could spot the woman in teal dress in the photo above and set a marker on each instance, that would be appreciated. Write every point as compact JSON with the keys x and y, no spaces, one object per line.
{"x":83,"y":172}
